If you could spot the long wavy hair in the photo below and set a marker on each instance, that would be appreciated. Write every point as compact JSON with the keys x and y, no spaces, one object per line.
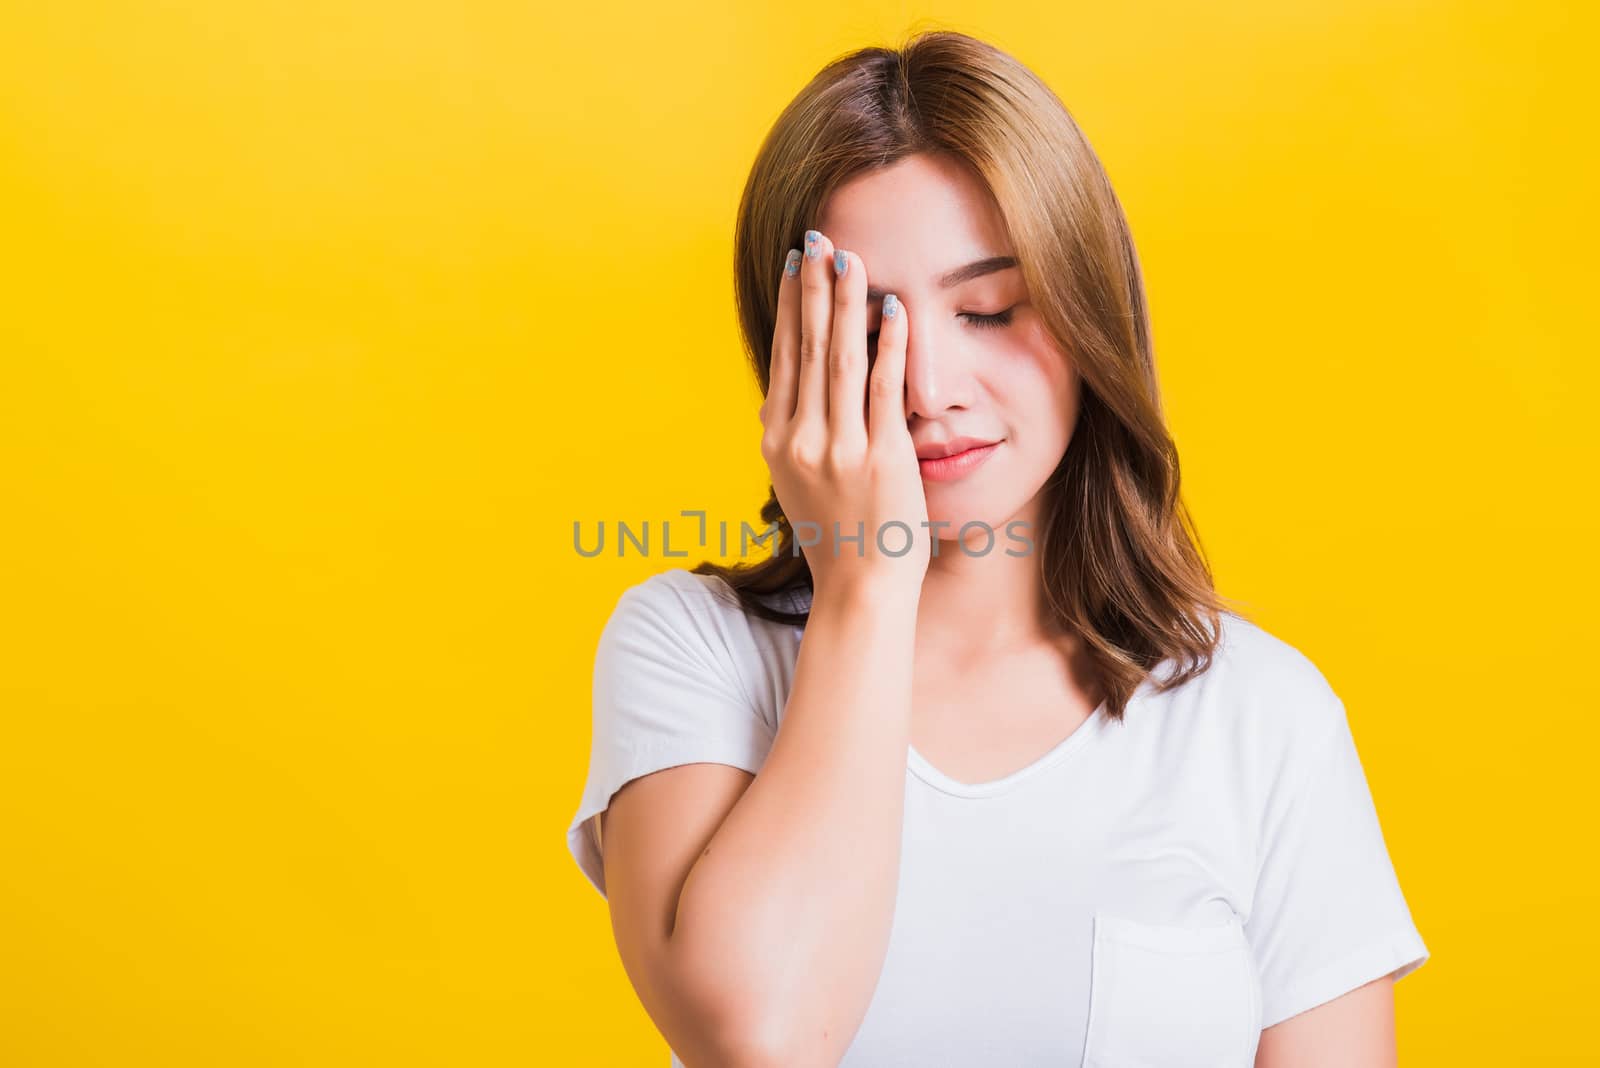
{"x":1121,"y":564}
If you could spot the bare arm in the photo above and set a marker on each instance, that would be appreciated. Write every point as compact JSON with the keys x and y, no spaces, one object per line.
{"x":787,"y":911}
{"x":792,"y":901}
{"x":753,"y":915}
{"x":1355,"y":1030}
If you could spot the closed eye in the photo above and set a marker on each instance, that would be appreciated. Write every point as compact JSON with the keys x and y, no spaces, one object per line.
{"x":982,"y":322}
{"x":989,"y":322}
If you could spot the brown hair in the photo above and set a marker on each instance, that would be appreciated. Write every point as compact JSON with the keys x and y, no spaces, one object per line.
{"x":1121,"y":564}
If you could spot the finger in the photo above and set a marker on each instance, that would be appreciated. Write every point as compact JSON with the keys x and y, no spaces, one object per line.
{"x":886,"y":412}
{"x":816,"y":325}
{"x":847,"y":350}
{"x":781,"y":375}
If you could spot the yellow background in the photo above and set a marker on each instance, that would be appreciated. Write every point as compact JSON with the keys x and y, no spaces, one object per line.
{"x":322,"y":322}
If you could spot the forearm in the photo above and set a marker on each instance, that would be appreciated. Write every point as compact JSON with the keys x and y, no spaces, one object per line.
{"x":787,"y":911}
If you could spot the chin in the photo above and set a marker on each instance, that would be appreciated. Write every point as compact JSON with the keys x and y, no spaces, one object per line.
{"x":956,"y":505}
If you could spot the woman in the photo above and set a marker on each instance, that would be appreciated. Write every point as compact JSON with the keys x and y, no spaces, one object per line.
{"x":1023,"y":800}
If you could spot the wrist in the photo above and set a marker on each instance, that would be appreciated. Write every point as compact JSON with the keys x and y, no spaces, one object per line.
{"x":868,"y":593}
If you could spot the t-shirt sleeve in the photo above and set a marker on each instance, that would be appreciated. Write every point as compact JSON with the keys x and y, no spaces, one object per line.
{"x":1328,"y":914}
{"x":668,"y":690}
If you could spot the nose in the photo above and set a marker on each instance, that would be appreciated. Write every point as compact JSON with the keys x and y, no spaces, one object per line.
{"x":938,"y":373}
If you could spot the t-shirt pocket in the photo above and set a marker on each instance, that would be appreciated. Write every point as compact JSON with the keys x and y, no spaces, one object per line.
{"x":1162,"y":995}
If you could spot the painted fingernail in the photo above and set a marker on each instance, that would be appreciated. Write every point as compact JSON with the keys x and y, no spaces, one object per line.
{"x":891,"y":305}
{"x":841,"y":262}
{"x":813,"y":244}
{"x":791,"y":266}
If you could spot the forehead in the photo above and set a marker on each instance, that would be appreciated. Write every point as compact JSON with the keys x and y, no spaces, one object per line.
{"x":915,"y":219}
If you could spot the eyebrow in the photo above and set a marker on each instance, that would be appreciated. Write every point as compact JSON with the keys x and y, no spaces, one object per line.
{"x":976,"y":269}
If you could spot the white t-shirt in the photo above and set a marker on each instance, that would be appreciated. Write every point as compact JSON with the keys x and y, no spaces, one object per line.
{"x":1151,"y":892}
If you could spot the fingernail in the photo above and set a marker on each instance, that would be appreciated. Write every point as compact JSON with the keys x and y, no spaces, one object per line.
{"x":791,"y":265}
{"x":813,"y":249}
{"x":891,"y":305}
{"x":841,"y":262}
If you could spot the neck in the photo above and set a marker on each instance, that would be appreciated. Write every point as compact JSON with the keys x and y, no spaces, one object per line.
{"x":975,"y":603}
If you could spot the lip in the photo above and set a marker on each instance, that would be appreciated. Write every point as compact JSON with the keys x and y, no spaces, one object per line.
{"x":938,"y":450}
{"x":956,"y":465}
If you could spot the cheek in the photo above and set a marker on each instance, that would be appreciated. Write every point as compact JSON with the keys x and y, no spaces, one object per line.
{"x":1042,"y":386}
{"x":1056,"y":379}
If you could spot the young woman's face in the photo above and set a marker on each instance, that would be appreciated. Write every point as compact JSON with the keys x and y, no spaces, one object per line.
{"x":1001,"y":380}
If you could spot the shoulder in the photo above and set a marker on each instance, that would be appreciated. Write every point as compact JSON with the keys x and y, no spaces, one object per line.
{"x":685,"y":597}
{"x":679,"y":591}
{"x":1258,"y":662}
{"x":676,"y":608}
{"x":1247,"y":733}
{"x":699,"y":622}
{"x":1265,"y":687}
